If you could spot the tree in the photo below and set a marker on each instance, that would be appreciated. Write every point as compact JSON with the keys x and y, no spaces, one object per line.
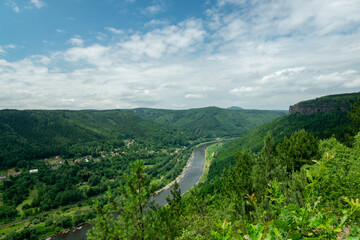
{"x":236,"y":182}
{"x":298,"y":150}
{"x":354,"y":114}
{"x":135,"y":220}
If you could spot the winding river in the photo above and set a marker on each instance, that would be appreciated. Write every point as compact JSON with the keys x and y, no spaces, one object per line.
{"x":190,"y":177}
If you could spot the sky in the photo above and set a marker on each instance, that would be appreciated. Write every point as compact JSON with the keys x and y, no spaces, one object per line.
{"x":176,"y":54}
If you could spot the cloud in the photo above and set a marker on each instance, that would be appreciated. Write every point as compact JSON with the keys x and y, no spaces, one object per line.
{"x":348,"y":79}
{"x":4,"y":48}
{"x":2,"y":51}
{"x":76,"y":41}
{"x":194,"y":95}
{"x":169,"y":40}
{"x":114,"y":30}
{"x":95,"y":54}
{"x":236,"y":2}
{"x":153,"y":9}
{"x":156,"y":22}
{"x":241,"y":90}
{"x":16,"y":9}
{"x":253,"y":54}
{"x":37,"y":3}
{"x":281,"y":75}
{"x":13,"y":5}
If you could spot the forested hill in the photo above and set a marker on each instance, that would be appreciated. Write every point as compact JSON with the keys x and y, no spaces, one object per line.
{"x":211,"y":121}
{"x":29,"y":134}
{"x":32,"y":134}
{"x":340,"y":102}
{"x":323,"y":124}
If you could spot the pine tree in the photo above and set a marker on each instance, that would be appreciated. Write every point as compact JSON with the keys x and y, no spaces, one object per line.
{"x":135,"y":220}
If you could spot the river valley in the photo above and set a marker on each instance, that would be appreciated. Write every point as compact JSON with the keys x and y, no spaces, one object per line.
{"x":189,"y":178}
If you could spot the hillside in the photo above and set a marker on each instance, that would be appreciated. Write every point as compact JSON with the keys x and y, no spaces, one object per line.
{"x":210,"y":121}
{"x":324,"y":124}
{"x":33,"y":134}
{"x":340,"y":102}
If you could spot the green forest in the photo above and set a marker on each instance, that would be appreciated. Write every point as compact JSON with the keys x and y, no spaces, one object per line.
{"x":290,"y":176}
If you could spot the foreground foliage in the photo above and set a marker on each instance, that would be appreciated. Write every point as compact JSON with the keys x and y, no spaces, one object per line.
{"x":259,"y":197}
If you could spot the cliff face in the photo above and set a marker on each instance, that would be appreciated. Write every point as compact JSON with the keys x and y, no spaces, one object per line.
{"x":329,"y":103}
{"x":317,"y":108}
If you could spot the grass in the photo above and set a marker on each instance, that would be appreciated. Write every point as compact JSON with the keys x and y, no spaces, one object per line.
{"x":33,"y":193}
{"x":211,"y":151}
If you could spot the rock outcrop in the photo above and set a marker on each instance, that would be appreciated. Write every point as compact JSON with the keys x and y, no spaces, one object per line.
{"x":317,"y":108}
{"x":339,"y":102}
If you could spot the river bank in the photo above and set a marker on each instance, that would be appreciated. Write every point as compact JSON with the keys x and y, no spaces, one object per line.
{"x":187,"y":179}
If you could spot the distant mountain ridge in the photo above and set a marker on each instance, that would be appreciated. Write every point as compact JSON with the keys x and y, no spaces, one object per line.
{"x":210,"y":121}
{"x":33,"y":134}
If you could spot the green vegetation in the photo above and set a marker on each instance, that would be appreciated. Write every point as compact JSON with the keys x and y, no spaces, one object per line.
{"x":321,"y":125}
{"x":299,"y":185}
{"x":31,"y":134}
{"x":347,"y":99}
{"x":210,"y":122}
{"x":35,"y":134}
{"x":293,"y":178}
{"x":256,"y":199}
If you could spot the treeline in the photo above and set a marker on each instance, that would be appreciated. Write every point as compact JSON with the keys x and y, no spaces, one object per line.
{"x":210,"y":122}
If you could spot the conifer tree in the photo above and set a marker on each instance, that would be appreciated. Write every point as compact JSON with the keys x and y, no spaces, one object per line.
{"x":134,"y":221}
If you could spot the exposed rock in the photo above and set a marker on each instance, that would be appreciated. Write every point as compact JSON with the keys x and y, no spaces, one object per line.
{"x":317,"y":108}
{"x":329,"y":103}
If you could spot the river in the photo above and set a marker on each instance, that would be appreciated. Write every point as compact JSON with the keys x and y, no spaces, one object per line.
{"x":191,"y":176}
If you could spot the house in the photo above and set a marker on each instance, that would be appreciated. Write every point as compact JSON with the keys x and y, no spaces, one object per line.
{"x":78,"y":160}
{"x":34,"y":171}
{"x":57,"y":157}
{"x":2,"y":177}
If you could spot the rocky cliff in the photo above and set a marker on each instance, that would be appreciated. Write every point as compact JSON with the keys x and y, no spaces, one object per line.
{"x":340,"y":102}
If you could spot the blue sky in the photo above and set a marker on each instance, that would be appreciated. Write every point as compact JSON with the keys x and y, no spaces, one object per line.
{"x":80,"y":54}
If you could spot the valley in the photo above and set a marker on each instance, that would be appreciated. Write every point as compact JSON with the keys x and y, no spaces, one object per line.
{"x":261,"y":166}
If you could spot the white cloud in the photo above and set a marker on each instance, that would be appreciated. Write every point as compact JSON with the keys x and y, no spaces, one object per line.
{"x":37,"y":3}
{"x":95,"y":55}
{"x":16,"y":9}
{"x":169,"y":40}
{"x":241,"y":90}
{"x":253,"y":54}
{"x":114,"y":30}
{"x":76,"y":41}
{"x":282,"y":75}
{"x":194,"y":95}
{"x":2,"y":51}
{"x":153,"y":9}
{"x":348,"y":79}
{"x":236,"y":2}
{"x":156,"y":22}
{"x":13,"y":5}
{"x":4,"y":48}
